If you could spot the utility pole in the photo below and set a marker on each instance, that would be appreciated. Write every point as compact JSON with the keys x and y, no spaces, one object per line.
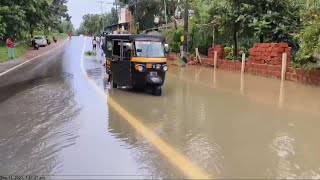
{"x":165,"y":13}
{"x":101,"y":2}
{"x":102,"y":14}
{"x":116,"y":4}
{"x":186,"y":28}
{"x":136,"y":17}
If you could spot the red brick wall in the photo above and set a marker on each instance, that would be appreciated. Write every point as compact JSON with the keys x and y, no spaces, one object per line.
{"x":269,"y":53}
{"x":219,"y":49}
{"x":257,"y":69}
{"x":303,"y":76}
{"x":265,"y":59}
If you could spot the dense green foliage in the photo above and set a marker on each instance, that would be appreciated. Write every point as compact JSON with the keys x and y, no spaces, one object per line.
{"x":236,"y":24}
{"x":19,"y":16}
{"x":309,"y":36}
{"x":95,"y":23}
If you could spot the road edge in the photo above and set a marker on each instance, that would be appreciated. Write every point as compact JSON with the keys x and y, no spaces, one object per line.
{"x":29,"y":60}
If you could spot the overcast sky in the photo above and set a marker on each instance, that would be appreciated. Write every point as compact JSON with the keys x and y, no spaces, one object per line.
{"x":78,"y":8}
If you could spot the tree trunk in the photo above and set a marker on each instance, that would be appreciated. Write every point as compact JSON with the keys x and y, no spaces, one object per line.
{"x":261,"y":38}
{"x":235,"y":40}
{"x":31,"y":30}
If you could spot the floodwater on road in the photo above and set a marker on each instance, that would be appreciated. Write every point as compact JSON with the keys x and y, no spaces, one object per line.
{"x":53,"y":122}
{"x":231,"y":126}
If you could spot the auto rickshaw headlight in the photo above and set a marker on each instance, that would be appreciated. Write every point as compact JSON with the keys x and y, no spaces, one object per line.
{"x":139,"y":67}
{"x":165,"y":68}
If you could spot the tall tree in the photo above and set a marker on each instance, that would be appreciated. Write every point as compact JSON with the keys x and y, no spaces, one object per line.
{"x":92,"y":23}
{"x":17,"y":16}
{"x":274,"y":20}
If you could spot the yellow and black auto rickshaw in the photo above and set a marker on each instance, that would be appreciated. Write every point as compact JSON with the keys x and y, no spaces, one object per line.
{"x":136,"y":61}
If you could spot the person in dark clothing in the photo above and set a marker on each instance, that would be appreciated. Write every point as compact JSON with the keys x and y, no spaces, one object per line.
{"x":94,"y":44}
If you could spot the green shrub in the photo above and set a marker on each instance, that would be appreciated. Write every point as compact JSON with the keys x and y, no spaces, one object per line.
{"x":232,"y":57}
{"x":180,"y":62}
{"x":227,"y":50}
{"x":90,"y":53}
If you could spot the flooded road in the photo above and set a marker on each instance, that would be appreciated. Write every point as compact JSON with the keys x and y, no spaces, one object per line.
{"x":54,"y":122}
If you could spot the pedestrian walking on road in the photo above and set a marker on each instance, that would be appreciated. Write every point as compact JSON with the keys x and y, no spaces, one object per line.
{"x":98,"y":40}
{"x":94,"y":44}
{"x":101,"y":42}
{"x":10,"y":45}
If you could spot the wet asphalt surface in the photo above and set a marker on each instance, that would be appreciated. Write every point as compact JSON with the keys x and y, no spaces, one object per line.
{"x":53,"y":122}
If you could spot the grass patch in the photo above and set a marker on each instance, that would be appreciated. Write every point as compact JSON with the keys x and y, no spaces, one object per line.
{"x":19,"y":50}
{"x":90,"y":53}
{"x":60,"y":36}
{"x":180,"y":62}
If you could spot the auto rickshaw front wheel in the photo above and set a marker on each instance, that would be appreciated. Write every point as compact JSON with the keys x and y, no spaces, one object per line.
{"x":157,"y":91}
{"x":110,"y":79}
{"x":114,"y":85}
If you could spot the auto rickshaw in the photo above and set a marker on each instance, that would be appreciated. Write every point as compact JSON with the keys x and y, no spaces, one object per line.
{"x":136,"y":61}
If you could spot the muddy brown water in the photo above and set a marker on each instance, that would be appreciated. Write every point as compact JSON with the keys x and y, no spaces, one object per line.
{"x":228,"y":125}
{"x":233,"y":126}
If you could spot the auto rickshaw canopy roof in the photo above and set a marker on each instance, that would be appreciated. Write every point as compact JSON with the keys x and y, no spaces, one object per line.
{"x":139,"y":37}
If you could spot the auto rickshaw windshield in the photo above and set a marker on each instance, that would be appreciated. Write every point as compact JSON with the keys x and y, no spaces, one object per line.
{"x":149,"y":49}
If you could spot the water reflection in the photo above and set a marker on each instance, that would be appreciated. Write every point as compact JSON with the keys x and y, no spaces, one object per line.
{"x":281,"y":95}
{"x":242,"y":84}
{"x":203,"y":115}
{"x":35,"y":127}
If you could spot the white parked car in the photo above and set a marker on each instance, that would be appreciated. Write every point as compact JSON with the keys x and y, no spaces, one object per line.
{"x":41,"y":41}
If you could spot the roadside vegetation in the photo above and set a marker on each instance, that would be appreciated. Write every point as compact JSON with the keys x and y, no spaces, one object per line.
{"x":19,"y":50}
{"x":23,"y":46}
{"x":90,"y":53}
{"x":20,"y":20}
{"x":238,"y":24}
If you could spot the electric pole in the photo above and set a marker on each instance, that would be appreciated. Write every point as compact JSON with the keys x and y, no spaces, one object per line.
{"x":101,"y":2}
{"x":116,"y":4}
{"x":102,"y":14}
{"x":165,"y":12}
{"x":186,"y":33}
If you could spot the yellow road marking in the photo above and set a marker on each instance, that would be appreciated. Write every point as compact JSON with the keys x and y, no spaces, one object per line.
{"x":177,"y":159}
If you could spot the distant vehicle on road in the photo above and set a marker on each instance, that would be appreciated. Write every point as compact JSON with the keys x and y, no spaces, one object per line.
{"x":81,"y":35}
{"x":41,"y":41}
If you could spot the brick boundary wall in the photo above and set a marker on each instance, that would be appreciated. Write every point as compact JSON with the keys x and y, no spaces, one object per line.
{"x":269,"y":53}
{"x":265,"y":59}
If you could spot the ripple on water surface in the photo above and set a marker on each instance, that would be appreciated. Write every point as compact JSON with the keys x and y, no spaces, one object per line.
{"x":35,"y":127}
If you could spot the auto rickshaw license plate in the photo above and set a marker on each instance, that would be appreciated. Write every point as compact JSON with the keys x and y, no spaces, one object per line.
{"x":153,"y":73}
{"x":149,"y":66}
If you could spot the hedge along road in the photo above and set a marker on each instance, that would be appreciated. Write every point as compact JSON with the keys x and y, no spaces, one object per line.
{"x":206,"y":124}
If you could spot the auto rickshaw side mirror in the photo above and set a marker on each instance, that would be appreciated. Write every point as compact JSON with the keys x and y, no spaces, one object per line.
{"x":166,"y":48}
